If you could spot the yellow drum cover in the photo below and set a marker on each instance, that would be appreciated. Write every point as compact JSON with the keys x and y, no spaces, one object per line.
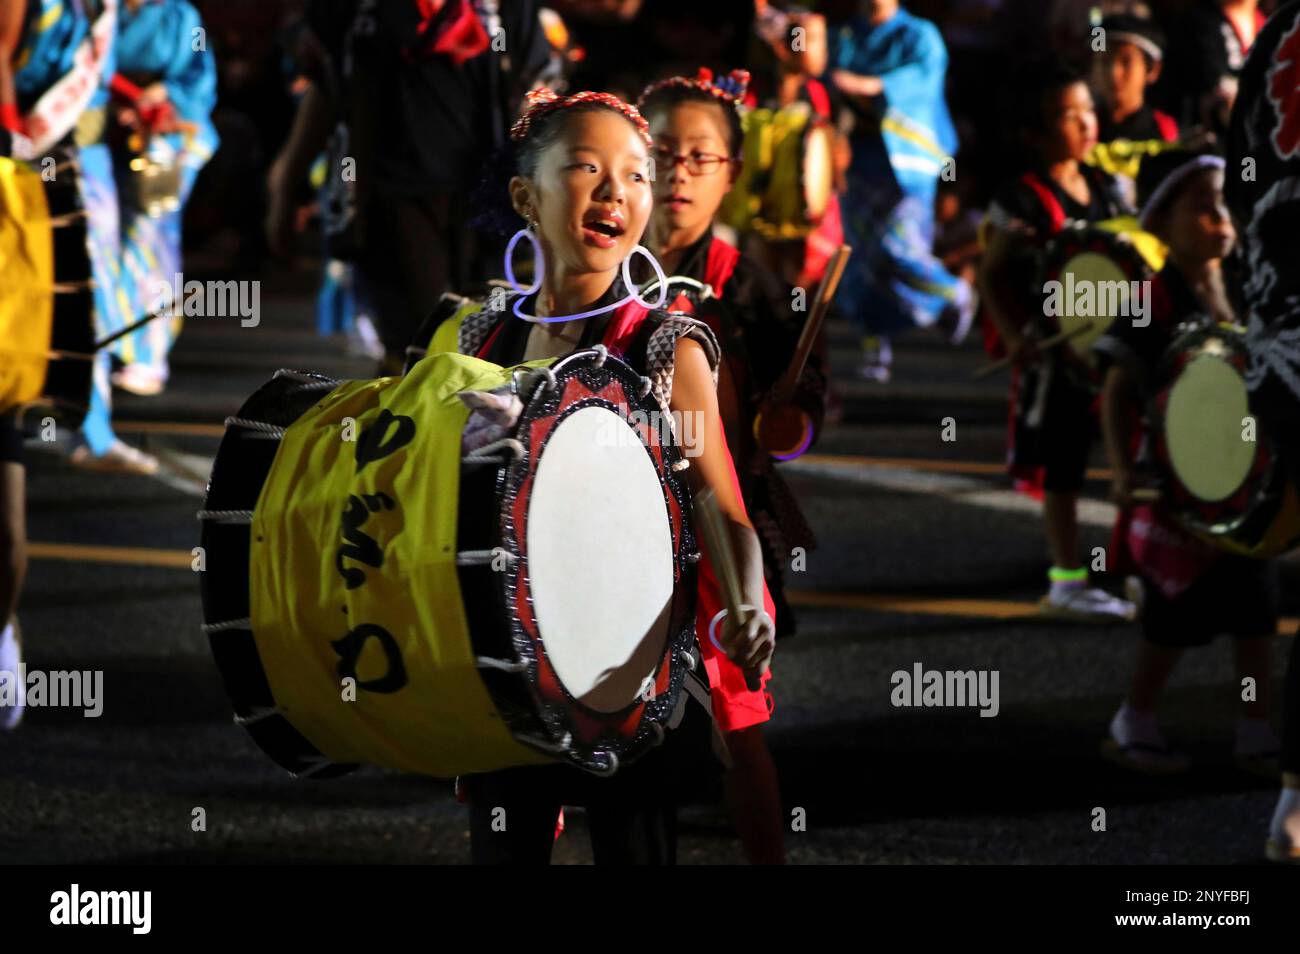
{"x":316,"y":596}
{"x":785,"y":182}
{"x":1148,"y":245}
{"x":26,"y":285}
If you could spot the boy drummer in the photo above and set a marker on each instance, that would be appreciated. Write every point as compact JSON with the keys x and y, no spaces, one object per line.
{"x":1052,"y":418}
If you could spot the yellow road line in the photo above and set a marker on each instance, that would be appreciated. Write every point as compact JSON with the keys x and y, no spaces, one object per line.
{"x":169,"y":427}
{"x":927,"y":464}
{"x":930,"y":606}
{"x":133,"y":556}
{"x":942,"y":606}
{"x":870,"y":602}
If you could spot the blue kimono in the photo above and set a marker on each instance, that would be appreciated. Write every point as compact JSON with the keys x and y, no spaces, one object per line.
{"x":893,"y":281}
{"x":55,"y":31}
{"x":156,"y":43}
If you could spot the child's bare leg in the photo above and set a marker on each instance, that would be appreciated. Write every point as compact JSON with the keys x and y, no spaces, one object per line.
{"x":754,"y":797}
{"x":13,"y":538}
{"x":1151,"y":674}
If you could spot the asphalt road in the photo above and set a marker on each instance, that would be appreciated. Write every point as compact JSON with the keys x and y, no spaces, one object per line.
{"x":925,"y":557}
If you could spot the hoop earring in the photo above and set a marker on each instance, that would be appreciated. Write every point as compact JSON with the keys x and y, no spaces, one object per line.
{"x":539,"y":260}
{"x":662,"y":282}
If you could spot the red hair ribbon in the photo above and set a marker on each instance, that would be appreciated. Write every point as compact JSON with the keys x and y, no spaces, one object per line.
{"x":730,"y":88}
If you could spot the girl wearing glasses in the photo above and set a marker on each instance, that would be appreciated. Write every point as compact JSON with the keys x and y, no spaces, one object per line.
{"x":697,"y":146}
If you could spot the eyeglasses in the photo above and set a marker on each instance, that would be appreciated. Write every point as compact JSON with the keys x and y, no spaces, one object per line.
{"x":697,"y":163}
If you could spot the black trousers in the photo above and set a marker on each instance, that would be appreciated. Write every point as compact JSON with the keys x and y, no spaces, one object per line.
{"x":417,"y":247}
{"x":632,"y":816}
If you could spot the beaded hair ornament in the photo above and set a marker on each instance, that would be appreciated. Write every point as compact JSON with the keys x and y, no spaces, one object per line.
{"x":729,"y":89}
{"x":544,"y":101}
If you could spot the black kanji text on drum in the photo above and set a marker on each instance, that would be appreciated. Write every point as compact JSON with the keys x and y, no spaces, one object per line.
{"x":376,"y":444}
{"x":349,"y":649}
{"x":360,"y":546}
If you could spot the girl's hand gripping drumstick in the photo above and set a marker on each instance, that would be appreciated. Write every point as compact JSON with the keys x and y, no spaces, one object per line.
{"x":745,"y":639}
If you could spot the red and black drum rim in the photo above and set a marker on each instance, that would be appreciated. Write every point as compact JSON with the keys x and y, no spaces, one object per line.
{"x":593,"y":736}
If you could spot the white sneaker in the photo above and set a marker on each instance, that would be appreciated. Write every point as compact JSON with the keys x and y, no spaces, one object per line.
{"x":140,"y":379}
{"x":120,"y":458}
{"x":1086,"y":604}
{"x":11,"y":658}
{"x":1135,"y":593}
{"x":363,"y":340}
{"x":877,"y":360}
{"x":960,"y":315}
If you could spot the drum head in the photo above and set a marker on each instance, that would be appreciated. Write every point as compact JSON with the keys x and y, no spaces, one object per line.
{"x":1097,"y":271}
{"x":1204,"y":429}
{"x":600,"y":554}
{"x":601,"y":593}
{"x":818,"y":170}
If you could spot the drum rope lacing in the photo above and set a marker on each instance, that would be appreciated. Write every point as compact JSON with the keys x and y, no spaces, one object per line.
{"x":257,"y":715}
{"x":480,"y":557}
{"x":224,"y":625}
{"x":61,"y":221}
{"x":315,"y":764}
{"x":270,"y":430}
{"x":559,"y":748}
{"x":546,"y":373}
{"x":73,"y":288}
{"x":505,"y":665}
{"x":226,"y":516}
{"x":310,"y":380}
{"x":485,"y":453}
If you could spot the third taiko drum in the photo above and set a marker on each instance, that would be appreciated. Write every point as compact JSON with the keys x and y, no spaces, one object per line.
{"x":1222,"y":474}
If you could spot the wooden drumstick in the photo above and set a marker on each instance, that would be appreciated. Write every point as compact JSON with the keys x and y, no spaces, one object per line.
{"x":1057,"y":339}
{"x":162,"y":312}
{"x":722,"y":556}
{"x":786,"y":384}
{"x":1146,"y":494}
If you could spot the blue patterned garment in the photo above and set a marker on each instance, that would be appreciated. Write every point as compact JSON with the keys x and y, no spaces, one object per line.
{"x":163,"y":41}
{"x":893,"y":280}
{"x":56,"y":29}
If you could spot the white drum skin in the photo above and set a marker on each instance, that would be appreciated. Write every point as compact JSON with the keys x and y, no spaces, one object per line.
{"x":600,"y":558}
{"x":1097,"y":269}
{"x":1204,"y":428}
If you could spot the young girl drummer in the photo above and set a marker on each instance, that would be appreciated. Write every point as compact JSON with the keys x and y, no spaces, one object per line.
{"x":583,"y":188}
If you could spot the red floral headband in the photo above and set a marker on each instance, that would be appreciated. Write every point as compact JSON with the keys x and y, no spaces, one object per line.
{"x":544,"y":101}
{"x":730,"y":88}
